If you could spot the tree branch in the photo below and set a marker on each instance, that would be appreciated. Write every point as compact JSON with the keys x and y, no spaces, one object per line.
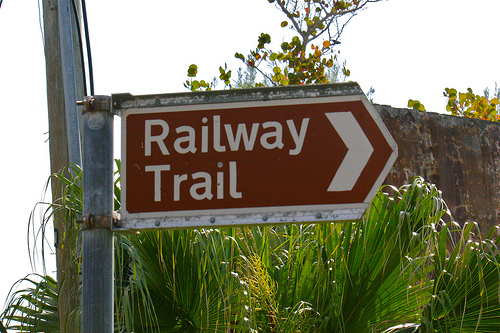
{"x":329,"y":17}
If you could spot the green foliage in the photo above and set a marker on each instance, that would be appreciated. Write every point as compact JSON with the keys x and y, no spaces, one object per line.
{"x":188,"y":278}
{"x":225,"y":75}
{"x":352,"y":277}
{"x":195,"y":85}
{"x":465,"y":286}
{"x":20,"y":314}
{"x":416,"y":105}
{"x":464,"y":296}
{"x":402,"y":268}
{"x":292,"y":65}
{"x":297,"y":61}
{"x":289,"y":66}
{"x":468,"y":104}
{"x":274,"y":279}
{"x":471,"y":105}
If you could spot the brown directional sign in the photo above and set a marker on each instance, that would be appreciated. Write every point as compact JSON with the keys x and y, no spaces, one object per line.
{"x":290,"y":155}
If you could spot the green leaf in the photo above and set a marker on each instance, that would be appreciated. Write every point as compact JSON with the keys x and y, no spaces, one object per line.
{"x":195,"y":85}
{"x":264,"y":39}
{"x":416,"y":105}
{"x":450,"y":93}
{"x":284,"y":24}
{"x":192,"y":70}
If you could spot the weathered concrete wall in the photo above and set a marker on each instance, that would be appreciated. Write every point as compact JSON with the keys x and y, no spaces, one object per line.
{"x":460,"y":155}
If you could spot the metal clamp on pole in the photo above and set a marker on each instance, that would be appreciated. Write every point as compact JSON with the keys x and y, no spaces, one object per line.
{"x":95,"y":103}
{"x":99,"y":221}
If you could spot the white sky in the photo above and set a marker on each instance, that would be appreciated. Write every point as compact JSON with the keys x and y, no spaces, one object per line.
{"x":403,"y":48}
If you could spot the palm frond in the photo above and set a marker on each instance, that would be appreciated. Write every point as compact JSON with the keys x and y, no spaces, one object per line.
{"x":188,"y":278}
{"x":2,"y":328}
{"x":34,"y":308}
{"x":466,"y":290}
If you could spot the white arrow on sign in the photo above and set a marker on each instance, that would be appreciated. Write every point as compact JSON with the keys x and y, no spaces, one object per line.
{"x":358,"y":153}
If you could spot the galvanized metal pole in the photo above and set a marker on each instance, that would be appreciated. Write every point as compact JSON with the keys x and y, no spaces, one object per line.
{"x":69,"y":80}
{"x":97,"y":237}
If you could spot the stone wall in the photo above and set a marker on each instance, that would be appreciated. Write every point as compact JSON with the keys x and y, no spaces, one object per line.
{"x":460,"y":155}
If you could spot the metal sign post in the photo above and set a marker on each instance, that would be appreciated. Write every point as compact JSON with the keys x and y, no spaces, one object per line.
{"x":97,"y":237}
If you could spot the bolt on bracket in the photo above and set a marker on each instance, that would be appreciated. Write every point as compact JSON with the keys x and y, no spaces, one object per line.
{"x":100,"y":221}
{"x":95,"y":103}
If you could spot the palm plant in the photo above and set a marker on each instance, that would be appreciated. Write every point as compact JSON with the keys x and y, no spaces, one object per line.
{"x":397,"y":270}
{"x":349,"y":277}
{"x":353,"y":277}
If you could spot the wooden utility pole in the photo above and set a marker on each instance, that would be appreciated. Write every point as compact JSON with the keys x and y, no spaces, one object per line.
{"x":64,"y":228}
